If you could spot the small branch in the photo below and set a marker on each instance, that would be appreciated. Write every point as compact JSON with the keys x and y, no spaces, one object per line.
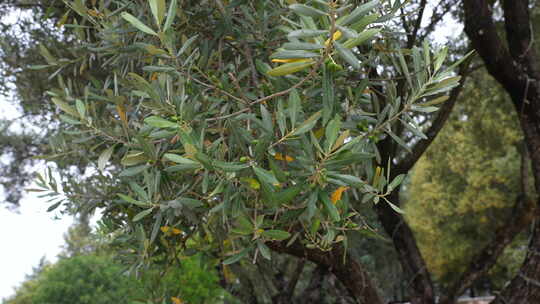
{"x":444,"y":113}
{"x":436,"y":18}
{"x":239,"y":88}
{"x":108,"y":136}
{"x":312,"y":73}
{"x":404,"y":22}
{"x":281,"y":93}
{"x":211,"y":86}
{"x":249,"y":59}
{"x":412,"y":38}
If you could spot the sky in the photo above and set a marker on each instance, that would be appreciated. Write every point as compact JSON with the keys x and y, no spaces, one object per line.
{"x":31,"y":233}
{"x":28,"y":234}
{"x":26,"y":237}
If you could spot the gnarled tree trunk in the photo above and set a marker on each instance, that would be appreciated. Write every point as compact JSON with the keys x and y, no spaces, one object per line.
{"x":516,"y":67}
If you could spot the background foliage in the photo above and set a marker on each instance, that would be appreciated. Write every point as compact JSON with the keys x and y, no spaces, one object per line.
{"x":468,"y":180}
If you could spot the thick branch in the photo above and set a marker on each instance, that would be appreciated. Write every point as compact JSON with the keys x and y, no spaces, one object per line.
{"x":312,"y":294}
{"x":524,"y":286}
{"x":521,"y":216}
{"x":293,"y":281}
{"x":409,"y":255}
{"x":519,"y":80}
{"x":518,"y":32}
{"x":516,"y":71}
{"x":483,"y":35}
{"x":347,"y":270}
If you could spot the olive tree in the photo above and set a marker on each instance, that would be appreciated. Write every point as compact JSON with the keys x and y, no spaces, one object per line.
{"x":240,"y":128}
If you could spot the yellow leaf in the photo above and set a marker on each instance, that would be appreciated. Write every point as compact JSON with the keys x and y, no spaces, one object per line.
{"x":319,"y":133}
{"x":341,"y":140}
{"x":290,"y":60}
{"x":170,"y":230}
{"x":154,"y":50}
{"x":252,"y":183}
{"x":95,"y":13}
{"x":122,"y":113}
{"x":377,"y":176}
{"x":335,"y":37}
{"x":336,"y":195}
{"x":190,"y":149}
{"x":82,"y":68}
{"x":291,"y":67}
{"x":228,"y":274}
{"x":63,"y":20}
{"x":176,"y":300}
{"x":286,"y":158}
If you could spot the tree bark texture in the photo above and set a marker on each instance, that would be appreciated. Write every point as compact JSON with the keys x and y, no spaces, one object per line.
{"x":421,"y":287}
{"x":349,"y":272}
{"x":515,"y":66}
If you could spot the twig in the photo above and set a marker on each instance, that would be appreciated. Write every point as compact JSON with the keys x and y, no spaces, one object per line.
{"x":297,"y":85}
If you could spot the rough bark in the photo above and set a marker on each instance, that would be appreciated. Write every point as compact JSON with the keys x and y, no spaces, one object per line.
{"x":421,"y":286}
{"x":247,"y":294}
{"x":286,"y":287}
{"x":516,"y":68}
{"x":312,"y":294}
{"x":349,"y":272}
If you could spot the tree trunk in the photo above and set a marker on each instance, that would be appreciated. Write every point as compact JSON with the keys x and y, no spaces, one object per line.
{"x":312,"y":294}
{"x":516,"y":68}
{"x":408,"y":252}
{"x":349,"y":272}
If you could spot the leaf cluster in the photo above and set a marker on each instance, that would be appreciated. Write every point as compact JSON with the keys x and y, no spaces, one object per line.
{"x":197,"y":131}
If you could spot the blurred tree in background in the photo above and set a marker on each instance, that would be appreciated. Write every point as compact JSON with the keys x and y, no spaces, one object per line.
{"x":82,"y":279}
{"x":468,"y":180}
{"x":86,"y":272}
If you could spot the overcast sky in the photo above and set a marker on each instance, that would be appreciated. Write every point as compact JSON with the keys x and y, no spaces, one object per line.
{"x":25,"y":238}
{"x":26,"y":235}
